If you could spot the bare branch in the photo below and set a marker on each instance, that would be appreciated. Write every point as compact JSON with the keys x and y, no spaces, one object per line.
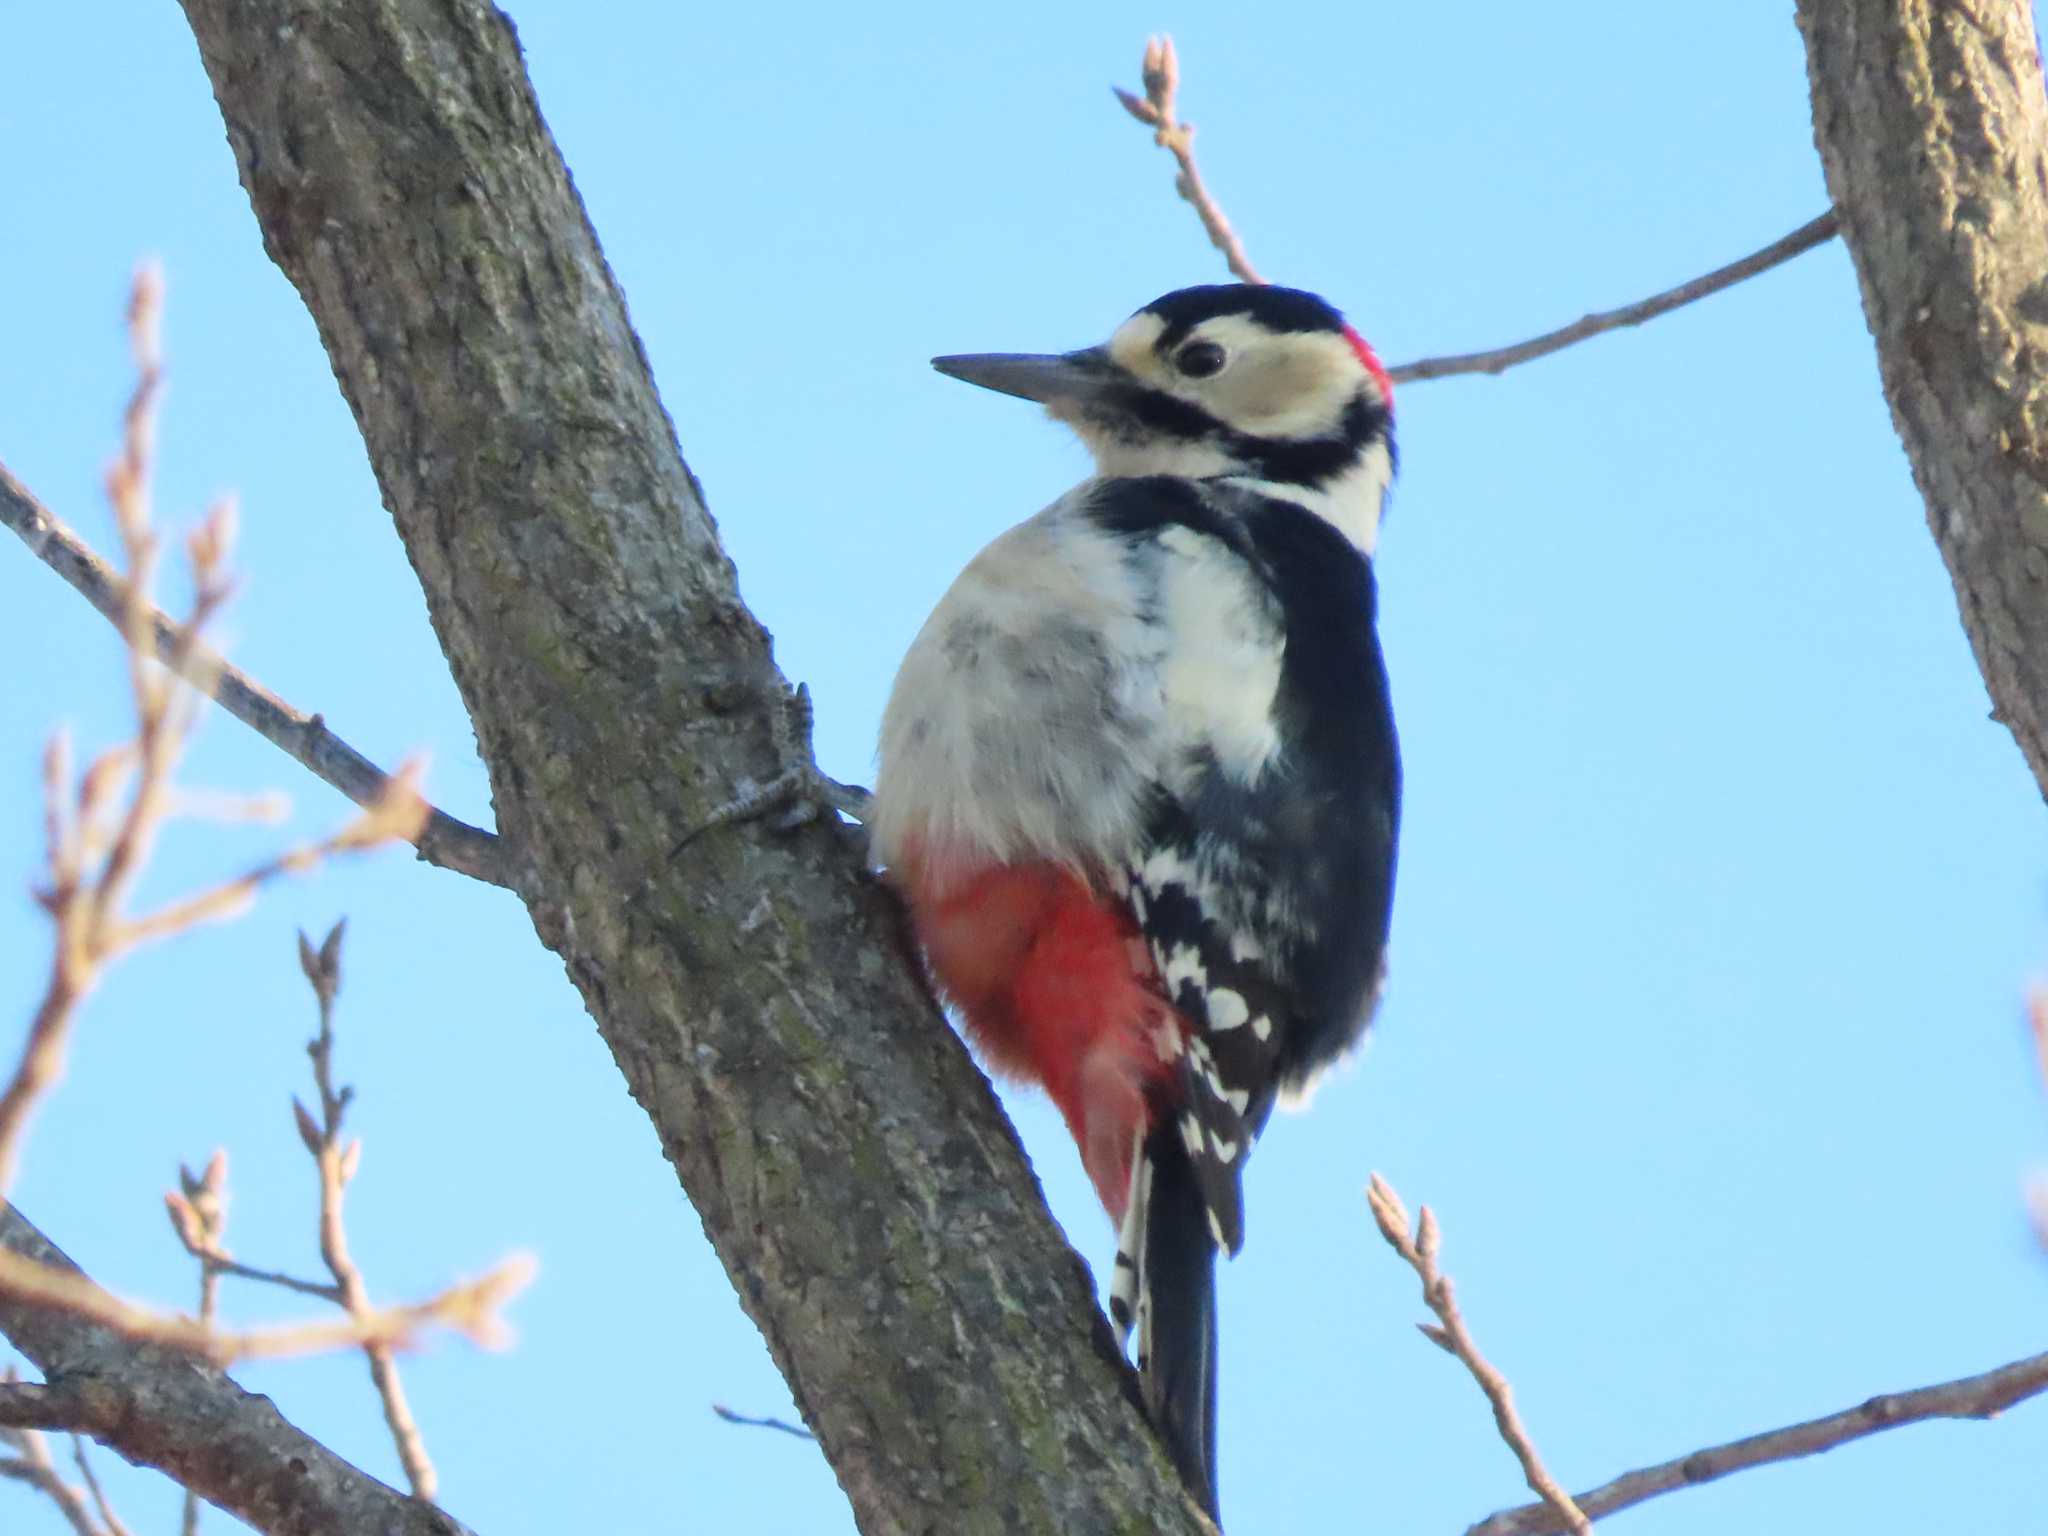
{"x":445,"y":841}
{"x":25,"y":1405}
{"x":1969,"y":1397}
{"x":1815,"y":232}
{"x":750,"y":1422}
{"x":199,"y":1215}
{"x":1420,"y":1251}
{"x":161,"y":1409}
{"x":337,"y":1165}
{"x":470,"y":1308}
{"x":395,"y":817}
{"x":198,"y":1212}
{"x":1155,"y":109}
{"x":109,"y":1521}
{"x":34,"y":1467}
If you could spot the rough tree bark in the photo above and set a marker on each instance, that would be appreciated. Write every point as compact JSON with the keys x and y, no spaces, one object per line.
{"x":1934,"y":134}
{"x":855,"y":1175}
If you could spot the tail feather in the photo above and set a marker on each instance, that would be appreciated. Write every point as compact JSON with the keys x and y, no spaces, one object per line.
{"x":1176,"y":1309}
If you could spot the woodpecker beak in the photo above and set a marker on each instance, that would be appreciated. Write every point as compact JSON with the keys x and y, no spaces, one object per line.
{"x":1044,"y":377}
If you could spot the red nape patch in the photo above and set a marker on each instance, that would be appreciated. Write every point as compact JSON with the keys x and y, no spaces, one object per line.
{"x":1056,"y":987}
{"x":1373,"y":365}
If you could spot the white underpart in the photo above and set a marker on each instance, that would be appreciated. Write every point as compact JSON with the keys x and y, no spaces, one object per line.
{"x":1027,"y":719}
{"x":1224,"y":671}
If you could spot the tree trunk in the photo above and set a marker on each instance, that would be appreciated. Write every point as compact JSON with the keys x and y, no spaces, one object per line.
{"x":850,"y":1166}
{"x":1930,"y":120}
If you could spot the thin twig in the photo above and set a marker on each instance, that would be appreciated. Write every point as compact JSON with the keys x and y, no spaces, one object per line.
{"x":39,"y":1474}
{"x":751,"y":1422}
{"x":1451,"y":1334}
{"x":1155,"y":109}
{"x":90,"y":931}
{"x":198,"y":1212}
{"x":1969,"y":1397}
{"x":445,"y":841}
{"x":1808,"y":235}
{"x":337,"y":1166}
{"x":26,"y":1411}
{"x":199,"y":1215}
{"x":470,"y":1308}
{"x":108,"y":1519}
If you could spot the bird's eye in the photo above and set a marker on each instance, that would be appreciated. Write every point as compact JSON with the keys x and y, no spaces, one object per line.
{"x":1200,"y":359}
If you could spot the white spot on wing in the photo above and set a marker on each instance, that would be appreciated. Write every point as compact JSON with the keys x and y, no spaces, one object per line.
{"x":1227,"y":1009}
{"x":1183,"y":964}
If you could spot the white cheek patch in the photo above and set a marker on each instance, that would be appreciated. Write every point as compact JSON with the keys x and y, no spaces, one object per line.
{"x":1294,"y":386}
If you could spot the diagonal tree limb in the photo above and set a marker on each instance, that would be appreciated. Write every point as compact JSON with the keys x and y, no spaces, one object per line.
{"x":1933,"y":130}
{"x":161,"y":1409}
{"x":1971,"y":1397}
{"x":447,"y":842}
{"x":849,"y":1163}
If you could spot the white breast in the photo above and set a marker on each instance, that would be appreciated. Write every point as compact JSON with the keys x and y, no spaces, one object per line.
{"x":1026,"y":721}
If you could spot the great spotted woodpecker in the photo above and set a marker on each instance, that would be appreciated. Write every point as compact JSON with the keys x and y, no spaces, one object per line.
{"x":1139,"y":785}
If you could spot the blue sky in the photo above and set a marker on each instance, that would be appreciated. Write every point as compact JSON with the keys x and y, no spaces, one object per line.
{"x":1719,"y":890}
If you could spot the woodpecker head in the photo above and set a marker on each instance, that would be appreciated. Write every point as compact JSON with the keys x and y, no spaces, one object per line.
{"x":1267,"y":386}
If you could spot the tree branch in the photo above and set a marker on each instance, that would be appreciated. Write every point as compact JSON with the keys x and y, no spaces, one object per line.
{"x":748,"y":1421}
{"x":445,"y":841}
{"x":1498,"y":360}
{"x":24,"y":1405}
{"x":1155,"y":109}
{"x":109,"y":1521}
{"x":40,"y":1474}
{"x":1971,"y":1397}
{"x":849,"y":1163}
{"x":162,"y":1409}
{"x":1933,"y":129}
{"x":335,"y":1163}
{"x":1160,"y":71}
{"x":1449,"y":1333}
